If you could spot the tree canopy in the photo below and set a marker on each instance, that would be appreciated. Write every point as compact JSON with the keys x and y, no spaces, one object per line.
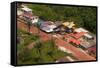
{"x":82,"y":16}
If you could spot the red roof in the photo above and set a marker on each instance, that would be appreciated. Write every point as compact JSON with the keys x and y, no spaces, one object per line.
{"x":67,"y":35}
{"x":74,"y":41}
{"x":93,"y":48}
{"x":78,"y":35}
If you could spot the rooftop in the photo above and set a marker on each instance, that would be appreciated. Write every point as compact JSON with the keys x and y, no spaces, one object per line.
{"x":26,"y":9}
{"x":80,"y":30}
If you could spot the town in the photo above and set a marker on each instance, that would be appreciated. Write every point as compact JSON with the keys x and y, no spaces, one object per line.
{"x":71,"y":43}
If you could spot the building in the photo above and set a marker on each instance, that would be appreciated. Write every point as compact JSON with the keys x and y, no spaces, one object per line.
{"x":80,"y":30}
{"x":92,"y":49}
{"x":27,"y":14}
{"x":78,"y":35}
{"x":35,"y":19}
{"x":86,"y":35}
{"x":69,"y":26}
{"x":75,"y":41}
{"x":48,"y":26}
{"x":19,"y":13}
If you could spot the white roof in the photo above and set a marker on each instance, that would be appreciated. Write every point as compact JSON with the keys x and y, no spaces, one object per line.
{"x":52,"y":26}
{"x":26,"y":9}
{"x":48,"y":30}
{"x":34,"y":20}
{"x":87,"y":35}
{"x":19,"y":12}
{"x":80,"y":30}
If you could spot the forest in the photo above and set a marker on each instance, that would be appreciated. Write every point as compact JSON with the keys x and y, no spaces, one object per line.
{"x":83,"y":16}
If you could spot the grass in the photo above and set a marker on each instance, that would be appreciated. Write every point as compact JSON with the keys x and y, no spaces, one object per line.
{"x":46,"y":53}
{"x":26,"y":38}
{"x":43,"y":52}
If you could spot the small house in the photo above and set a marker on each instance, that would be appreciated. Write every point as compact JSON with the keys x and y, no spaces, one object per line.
{"x":48,"y":26}
{"x":72,"y":40}
{"x":27,"y":14}
{"x":68,"y":26}
{"x":35,"y":19}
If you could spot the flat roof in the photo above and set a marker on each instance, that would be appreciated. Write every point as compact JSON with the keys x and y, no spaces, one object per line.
{"x":26,"y":9}
{"x":81,"y":30}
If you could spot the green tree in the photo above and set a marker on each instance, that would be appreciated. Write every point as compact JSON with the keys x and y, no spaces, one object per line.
{"x":29,"y":24}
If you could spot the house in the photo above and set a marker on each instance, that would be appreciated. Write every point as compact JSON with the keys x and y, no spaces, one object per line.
{"x":92,"y":51}
{"x":65,"y":24}
{"x":27,"y":14}
{"x":78,"y":35}
{"x":80,"y":30}
{"x":86,"y":35}
{"x":68,"y":26}
{"x":48,"y":26}
{"x":58,"y":23}
{"x":19,"y":13}
{"x":75,"y":41}
{"x":26,"y":9}
{"x":35,"y":19}
{"x":87,"y":44}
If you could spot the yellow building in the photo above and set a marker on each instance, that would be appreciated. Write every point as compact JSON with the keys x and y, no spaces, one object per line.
{"x":68,"y":24}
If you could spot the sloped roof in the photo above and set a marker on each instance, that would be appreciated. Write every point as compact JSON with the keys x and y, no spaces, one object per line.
{"x":68,"y":24}
{"x":78,"y":35}
{"x":74,"y":41}
{"x":93,"y":48}
{"x":65,"y":23}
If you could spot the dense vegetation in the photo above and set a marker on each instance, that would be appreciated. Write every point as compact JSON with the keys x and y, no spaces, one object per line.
{"x":82,"y":16}
{"x":42,"y":52}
